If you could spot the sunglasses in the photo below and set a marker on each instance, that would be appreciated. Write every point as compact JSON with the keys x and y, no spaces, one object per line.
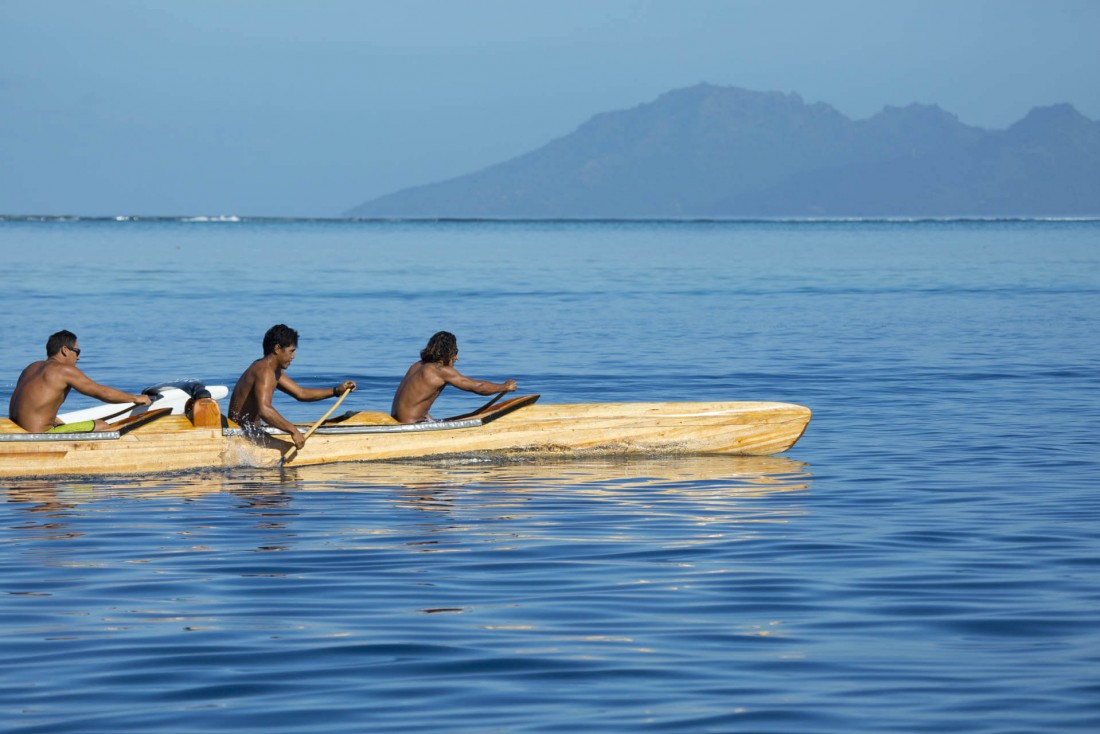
{"x":74,"y":350}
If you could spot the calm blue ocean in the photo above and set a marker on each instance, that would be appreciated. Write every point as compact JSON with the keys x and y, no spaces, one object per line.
{"x":926,"y":558}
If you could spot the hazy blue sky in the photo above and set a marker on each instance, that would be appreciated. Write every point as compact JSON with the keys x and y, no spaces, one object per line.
{"x":271,"y":107}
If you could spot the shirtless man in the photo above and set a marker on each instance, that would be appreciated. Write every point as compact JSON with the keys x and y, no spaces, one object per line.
{"x":427,"y":378}
{"x":251,"y":399}
{"x":44,"y":385}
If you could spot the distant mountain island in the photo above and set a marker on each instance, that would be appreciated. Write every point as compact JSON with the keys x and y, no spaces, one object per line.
{"x":725,"y":152}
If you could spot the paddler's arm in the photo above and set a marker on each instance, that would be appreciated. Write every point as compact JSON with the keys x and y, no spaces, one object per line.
{"x":87,"y":386}
{"x":480,"y":387}
{"x":263,"y":390}
{"x":312,"y":394}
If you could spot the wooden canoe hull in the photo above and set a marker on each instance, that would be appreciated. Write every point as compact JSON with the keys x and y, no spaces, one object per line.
{"x":756,"y":429}
{"x":172,"y":444}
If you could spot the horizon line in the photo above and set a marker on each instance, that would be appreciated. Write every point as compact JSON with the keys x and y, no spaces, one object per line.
{"x":242,"y":219}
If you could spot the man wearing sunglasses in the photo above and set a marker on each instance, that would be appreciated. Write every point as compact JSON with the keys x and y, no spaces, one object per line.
{"x":44,"y":385}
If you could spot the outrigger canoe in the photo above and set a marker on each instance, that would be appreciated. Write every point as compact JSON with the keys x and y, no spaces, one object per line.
{"x":185,"y":429}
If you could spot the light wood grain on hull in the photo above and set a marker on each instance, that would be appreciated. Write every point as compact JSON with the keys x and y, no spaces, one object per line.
{"x":754,"y":429}
{"x":172,"y":444}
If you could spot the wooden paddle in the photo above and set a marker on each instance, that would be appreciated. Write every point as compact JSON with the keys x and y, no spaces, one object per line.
{"x":294,"y":449}
{"x":129,"y":406}
{"x":483,"y":407}
{"x":126,"y":425}
{"x":153,"y":397}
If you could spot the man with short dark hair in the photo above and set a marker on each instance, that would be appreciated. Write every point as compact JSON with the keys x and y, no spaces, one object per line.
{"x":251,"y":399}
{"x":426,"y":379}
{"x":44,"y":385}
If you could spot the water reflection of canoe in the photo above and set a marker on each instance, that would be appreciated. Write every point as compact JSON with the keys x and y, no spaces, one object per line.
{"x":600,"y":473}
{"x":160,"y":441}
{"x":424,"y":482}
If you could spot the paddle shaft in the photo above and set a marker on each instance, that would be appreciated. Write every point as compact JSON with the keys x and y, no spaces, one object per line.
{"x":294,"y":449}
{"x":487,"y":405}
{"x":129,"y":406}
{"x":126,"y":425}
{"x":153,"y":397}
{"x":499,"y":395}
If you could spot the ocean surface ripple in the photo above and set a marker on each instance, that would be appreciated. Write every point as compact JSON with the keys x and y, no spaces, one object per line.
{"x":925,"y":559}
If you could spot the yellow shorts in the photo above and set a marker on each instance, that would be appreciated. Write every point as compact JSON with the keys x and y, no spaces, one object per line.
{"x":78,"y":427}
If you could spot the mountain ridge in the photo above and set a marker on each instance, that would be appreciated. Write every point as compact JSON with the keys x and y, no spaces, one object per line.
{"x":727,"y":152}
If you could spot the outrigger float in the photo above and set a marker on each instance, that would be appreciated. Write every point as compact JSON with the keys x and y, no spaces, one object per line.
{"x":184,"y":429}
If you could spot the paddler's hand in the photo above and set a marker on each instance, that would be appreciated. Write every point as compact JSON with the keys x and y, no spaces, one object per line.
{"x":510,"y":385}
{"x":341,"y":389}
{"x":297,"y":437}
{"x":142,"y":399}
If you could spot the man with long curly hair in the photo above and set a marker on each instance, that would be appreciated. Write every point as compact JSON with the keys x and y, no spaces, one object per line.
{"x":427,"y":378}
